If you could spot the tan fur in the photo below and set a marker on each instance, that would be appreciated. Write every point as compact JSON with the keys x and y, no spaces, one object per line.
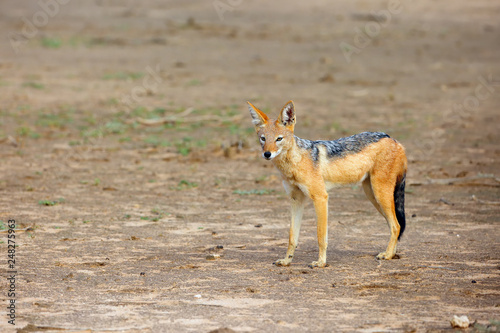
{"x":379,"y":166}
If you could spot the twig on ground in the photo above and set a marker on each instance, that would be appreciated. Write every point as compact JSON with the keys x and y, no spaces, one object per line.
{"x":16,"y":230}
{"x":437,"y":267}
{"x":182,"y":117}
{"x":443,"y":200}
{"x":484,"y":202}
{"x":453,"y":181}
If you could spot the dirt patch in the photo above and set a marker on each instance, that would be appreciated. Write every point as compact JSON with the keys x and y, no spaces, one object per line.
{"x":130,"y":165}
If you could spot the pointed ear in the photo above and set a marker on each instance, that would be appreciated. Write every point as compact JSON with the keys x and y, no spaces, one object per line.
{"x":259,"y":118}
{"x":287,"y":114}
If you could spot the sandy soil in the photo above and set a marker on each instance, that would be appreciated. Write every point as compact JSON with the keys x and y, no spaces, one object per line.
{"x":115,"y":219}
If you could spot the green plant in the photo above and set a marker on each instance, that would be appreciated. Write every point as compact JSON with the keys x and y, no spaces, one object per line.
{"x":194,"y":82}
{"x":54,"y":120}
{"x":184,"y":151}
{"x":51,"y":202}
{"x":123,"y":76}
{"x":254,"y":192}
{"x":184,"y":185}
{"x":156,"y":141}
{"x":34,"y":85}
{"x":92,"y":133}
{"x":51,"y":43}
{"x":186,"y":145}
{"x":157,"y":215}
{"x":157,"y":211}
{"x":24,"y":131}
{"x":115,"y":127}
{"x":494,"y":326}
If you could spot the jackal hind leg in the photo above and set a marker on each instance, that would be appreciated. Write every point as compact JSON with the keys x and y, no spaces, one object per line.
{"x":297,"y":209}
{"x":367,"y":187}
{"x":383,"y":196}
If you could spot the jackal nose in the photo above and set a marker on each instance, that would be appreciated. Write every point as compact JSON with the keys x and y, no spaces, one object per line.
{"x":267,"y":154}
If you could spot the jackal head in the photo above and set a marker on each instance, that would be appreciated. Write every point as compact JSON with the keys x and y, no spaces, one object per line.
{"x":276,"y":136}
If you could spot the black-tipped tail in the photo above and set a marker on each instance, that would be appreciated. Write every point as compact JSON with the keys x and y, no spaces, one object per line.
{"x":399,"y":201}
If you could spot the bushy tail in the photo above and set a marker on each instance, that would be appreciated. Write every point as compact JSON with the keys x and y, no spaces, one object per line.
{"x":399,"y":201}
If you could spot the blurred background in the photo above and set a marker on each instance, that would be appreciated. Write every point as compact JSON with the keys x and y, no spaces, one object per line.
{"x":402,"y":67}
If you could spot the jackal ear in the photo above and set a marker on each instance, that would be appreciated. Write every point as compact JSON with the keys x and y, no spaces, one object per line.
{"x":259,"y":118}
{"x":287,"y":114}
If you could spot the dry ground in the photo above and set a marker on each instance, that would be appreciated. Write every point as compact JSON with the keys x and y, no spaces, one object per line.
{"x":115,"y":219}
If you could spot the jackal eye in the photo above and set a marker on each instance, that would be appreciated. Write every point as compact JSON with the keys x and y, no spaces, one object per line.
{"x":263,"y":138}
{"x":279,"y":139}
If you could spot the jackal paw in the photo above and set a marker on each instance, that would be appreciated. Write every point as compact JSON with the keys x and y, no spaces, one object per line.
{"x":318,"y":263}
{"x":385,"y":256}
{"x":282,"y":262}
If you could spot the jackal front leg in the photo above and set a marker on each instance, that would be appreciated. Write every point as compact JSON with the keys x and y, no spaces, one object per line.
{"x":321,"y":208}
{"x":297,"y":209}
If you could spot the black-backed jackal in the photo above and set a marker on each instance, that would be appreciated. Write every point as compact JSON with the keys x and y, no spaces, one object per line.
{"x":310,"y":168}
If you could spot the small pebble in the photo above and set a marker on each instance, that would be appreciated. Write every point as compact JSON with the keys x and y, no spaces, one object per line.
{"x":213,"y":256}
{"x":460,"y":322}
